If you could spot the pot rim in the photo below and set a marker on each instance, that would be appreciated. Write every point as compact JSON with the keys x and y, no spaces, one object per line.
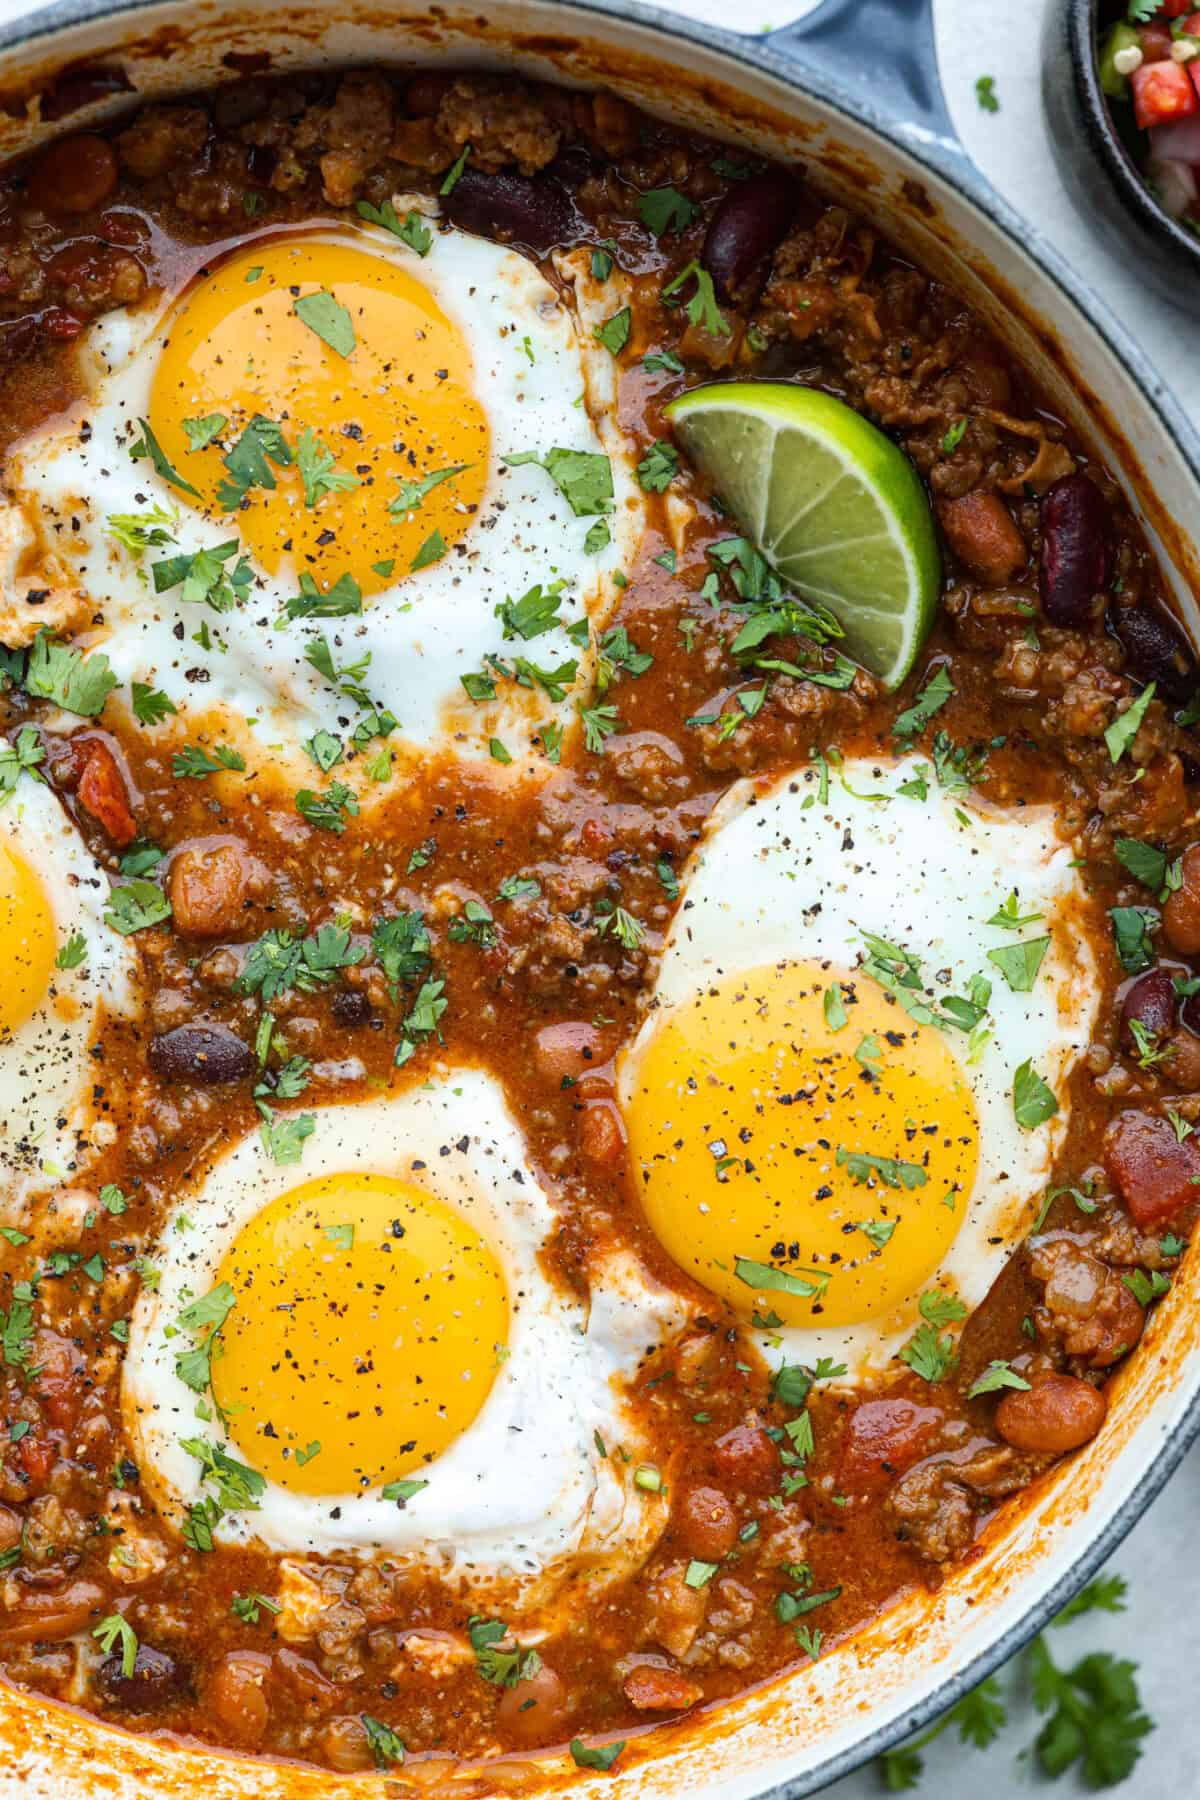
{"x":945,"y":158}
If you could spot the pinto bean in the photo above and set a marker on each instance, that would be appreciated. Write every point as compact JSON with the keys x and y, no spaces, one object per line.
{"x":1181,"y":914}
{"x":1073,"y":567}
{"x":566,"y":1050}
{"x":601,"y":1134}
{"x":1151,"y":1001}
{"x":751,"y":221}
{"x":1057,"y":1414}
{"x":706,"y":1523}
{"x":346,"y":1745}
{"x":533,"y":1711}
{"x":1155,"y":1173}
{"x":981,"y":533}
{"x":157,"y":1681}
{"x":1181,"y":1060}
{"x":650,"y":1688}
{"x":518,"y":208}
{"x":206,"y":1055}
{"x":210,"y":883}
{"x":73,"y":175}
{"x":235,"y":1693}
{"x":1157,"y":650}
{"x":56,"y":1613}
{"x":747,"y":1459}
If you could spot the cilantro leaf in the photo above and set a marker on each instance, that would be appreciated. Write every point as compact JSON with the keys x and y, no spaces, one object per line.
{"x":325,"y":314}
{"x":134,"y":905}
{"x":317,"y":470}
{"x":862,"y":1165}
{"x":582,"y":477}
{"x":665,"y":209}
{"x":614,"y":332}
{"x":1019,"y":963}
{"x":413,"y":231}
{"x":149,"y":446}
{"x":997,"y":1375}
{"x":78,"y":683}
{"x":659,"y":467}
{"x":1033,"y":1101}
{"x":933,"y":696}
{"x":413,"y":492}
{"x":1120,"y":734}
{"x":386,"y":1745}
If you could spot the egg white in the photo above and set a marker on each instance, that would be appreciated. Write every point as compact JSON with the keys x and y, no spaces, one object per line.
{"x":525,"y":1494}
{"x":46,"y":1075}
{"x":542,"y":380}
{"x":784,"y":875}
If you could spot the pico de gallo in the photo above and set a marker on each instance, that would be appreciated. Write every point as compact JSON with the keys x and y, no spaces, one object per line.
{"x":1150,"y":71}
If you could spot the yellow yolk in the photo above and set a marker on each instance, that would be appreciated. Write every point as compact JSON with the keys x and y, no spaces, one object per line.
{"x":369,"y":1319}
{"x":399,"y":407}
{"x":27,"y":934}
{"x":749,"y":1116}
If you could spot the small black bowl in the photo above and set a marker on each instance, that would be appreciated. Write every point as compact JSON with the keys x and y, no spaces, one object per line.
{"x":1101,"y":177}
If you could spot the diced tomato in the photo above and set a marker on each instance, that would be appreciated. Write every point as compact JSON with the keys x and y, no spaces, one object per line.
{"x":1156,"y":1174}
{"x":1191,"y":26}
{"x":1173,"y":9}
{"x":883,"y":1438}
{"x":102,"y":793}
{"x":1193,"y":69}
{"x":1162,"y":91}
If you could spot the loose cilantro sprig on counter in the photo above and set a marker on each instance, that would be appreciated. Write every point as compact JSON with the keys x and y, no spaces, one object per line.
{"x":1094,"y":1720}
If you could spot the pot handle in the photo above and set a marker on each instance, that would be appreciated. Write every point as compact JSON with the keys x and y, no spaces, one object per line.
{"x":882,"y":50}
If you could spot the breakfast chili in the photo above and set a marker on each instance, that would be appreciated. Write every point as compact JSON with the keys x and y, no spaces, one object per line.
{"x":795,"y":1507}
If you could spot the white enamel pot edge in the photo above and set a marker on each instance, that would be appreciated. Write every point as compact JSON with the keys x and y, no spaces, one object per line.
{"x":792,"y":1737}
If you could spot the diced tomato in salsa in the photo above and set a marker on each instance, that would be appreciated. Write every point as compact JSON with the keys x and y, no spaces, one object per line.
{"x":1162,"y":91}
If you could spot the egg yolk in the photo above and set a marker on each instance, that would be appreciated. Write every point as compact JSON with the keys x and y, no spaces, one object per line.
{"x":27,"y":933}
{"x":812,"y":1173}
{"x":397,"y":408}
{"x":368,"y":1323}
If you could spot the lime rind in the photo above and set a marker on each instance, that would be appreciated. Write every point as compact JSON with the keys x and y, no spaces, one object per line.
{"x":858,"y":537}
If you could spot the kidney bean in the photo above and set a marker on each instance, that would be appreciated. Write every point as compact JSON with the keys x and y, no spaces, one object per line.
{"x":157,"y":1680}
{"x":706,"y":1523}
{"x":103,"y":794}
{"x":883,"y":1438}
{"x":204,"y":1054}
{"x":1074,"y":561}
{"x":350,"y":1007}
{"x":1157,"y":650}
{"x":1057,"y":1414}
{"x":73,"y":175}
{"x":1151,"y":1001}
{"x":748,"y":225}
{"x":1181,"y":914}
{"x":533,"y":213}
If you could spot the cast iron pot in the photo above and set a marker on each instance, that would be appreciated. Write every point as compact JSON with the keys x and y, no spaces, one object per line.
{"x":852,"y":94}
{"x":1101,"y":177}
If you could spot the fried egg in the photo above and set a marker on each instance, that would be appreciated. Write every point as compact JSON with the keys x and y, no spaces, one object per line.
{"x":383,"y":454}
{"x":61,"y":959}
{"x":867,"y":1005}
{"x":372,"y":1339}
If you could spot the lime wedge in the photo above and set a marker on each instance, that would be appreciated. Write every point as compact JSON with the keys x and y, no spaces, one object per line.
{"x":837,"y":510}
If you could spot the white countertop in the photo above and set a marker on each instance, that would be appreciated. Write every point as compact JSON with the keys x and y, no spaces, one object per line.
{"x":1161,"y":1628}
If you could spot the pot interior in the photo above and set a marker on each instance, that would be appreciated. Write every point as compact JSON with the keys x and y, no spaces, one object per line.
{"x":794,"y":1734}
